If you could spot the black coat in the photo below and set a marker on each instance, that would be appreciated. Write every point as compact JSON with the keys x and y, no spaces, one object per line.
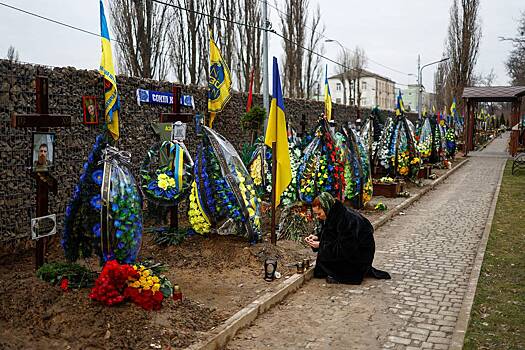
{"x":346,"y":247}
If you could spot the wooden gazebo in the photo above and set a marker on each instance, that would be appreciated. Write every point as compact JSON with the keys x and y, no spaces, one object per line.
{"x":473,"y":95}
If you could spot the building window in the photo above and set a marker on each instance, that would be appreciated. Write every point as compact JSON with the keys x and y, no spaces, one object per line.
{"x":363,"y":85}
{"x":338,"y":87}
{"x":338,"y":100}
{"x":363,"y":102}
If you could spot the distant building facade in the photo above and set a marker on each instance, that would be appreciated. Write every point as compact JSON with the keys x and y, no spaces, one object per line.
{"x":376,"y":90}
{"x":410,"y":93}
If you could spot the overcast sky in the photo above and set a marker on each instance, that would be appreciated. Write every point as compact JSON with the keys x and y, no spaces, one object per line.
{"x":392,"y":33}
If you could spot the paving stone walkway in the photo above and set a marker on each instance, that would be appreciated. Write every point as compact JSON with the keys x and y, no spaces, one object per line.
{"x":429,"y":252}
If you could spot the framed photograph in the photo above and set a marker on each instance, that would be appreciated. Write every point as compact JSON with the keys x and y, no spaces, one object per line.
{"x":89,"y":105}
{"x":43,"y":151}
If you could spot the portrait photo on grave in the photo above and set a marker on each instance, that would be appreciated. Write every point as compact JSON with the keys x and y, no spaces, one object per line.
{"x":43,"y":151}
{"x":89,"y":105}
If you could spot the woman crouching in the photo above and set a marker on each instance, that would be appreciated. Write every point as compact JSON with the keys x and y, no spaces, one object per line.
{"x":345,"y":245}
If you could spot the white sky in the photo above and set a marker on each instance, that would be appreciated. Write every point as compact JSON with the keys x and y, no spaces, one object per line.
{"x":392,"y":33}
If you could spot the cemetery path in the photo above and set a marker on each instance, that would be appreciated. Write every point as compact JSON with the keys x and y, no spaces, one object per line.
{"x":429,"y":251}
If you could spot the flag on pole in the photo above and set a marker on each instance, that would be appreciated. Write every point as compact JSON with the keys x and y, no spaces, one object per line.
{"x":219,"y":83}
{"x":111,"y":98}
{"x":400,"y":108}
{"x":327,"y":97}
{"x":453,"y":107}
{"x":250,"y":92}
{"x":276,"y":132}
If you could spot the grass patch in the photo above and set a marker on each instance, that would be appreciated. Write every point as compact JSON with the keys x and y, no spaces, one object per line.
{"x":497,"y":319}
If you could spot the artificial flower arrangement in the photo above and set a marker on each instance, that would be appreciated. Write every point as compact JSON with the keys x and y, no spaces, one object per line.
{"x":290,"y":194}
{"x":323,"y":166}
{"x":223,"y":189}
{"x":169,"y":181}
{"x":143,"y":284}
{"x":198,"y":219}
{"x":450,"y":136}
{"x":357,"y":169}
{"x":424,"y":144}
{"x":81,"y":235}
{"x":112,"y":230}
{"x":399,"y":154}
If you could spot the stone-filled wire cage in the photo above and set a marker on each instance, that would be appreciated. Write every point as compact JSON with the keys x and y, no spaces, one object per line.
{"x":67,"y":86}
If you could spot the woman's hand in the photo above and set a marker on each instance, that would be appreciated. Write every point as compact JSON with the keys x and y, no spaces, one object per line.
{"x":312,"y":241}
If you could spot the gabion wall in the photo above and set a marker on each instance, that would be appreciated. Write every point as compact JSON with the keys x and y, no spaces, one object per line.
{"x":66,"y":88}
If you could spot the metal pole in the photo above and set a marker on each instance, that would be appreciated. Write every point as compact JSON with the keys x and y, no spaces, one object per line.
{"x":419,"y":87}
{"x":273,"y":234}
{"x":266,"y":92}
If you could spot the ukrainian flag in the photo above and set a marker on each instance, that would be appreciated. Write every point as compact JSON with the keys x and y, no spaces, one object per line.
{"x":276,"y":132}
{"x":111,"y":99}
{"x":327,"y":97}
{"x":400,"y":108}
{"x":453,"y":107}
{"x":219,"y":83}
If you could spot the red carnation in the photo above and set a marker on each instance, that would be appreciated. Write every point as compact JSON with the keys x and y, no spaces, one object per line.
{"x":64,"y":283}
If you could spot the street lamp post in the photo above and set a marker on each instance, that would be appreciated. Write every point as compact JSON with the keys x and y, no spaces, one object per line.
{"x":344,"y":65}
{"x":420,"y":83}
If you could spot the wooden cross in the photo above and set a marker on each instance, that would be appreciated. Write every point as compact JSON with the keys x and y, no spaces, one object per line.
{"x":42,"y":120}
{"x":175,"y":116}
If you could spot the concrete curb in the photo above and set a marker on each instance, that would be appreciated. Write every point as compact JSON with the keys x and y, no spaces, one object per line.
{"x":458,"y":337}
{"x":409,"y":201}
{"x":220,"y":336}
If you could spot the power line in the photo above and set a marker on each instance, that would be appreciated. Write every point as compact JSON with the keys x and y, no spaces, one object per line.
{"x":325,"y":37}
{"x":191,"y":11}
{"x":210,"y":16}
{"x":53,"y":20}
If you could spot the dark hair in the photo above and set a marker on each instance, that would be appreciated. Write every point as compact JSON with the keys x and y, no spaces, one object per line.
{"x":43,"y":145}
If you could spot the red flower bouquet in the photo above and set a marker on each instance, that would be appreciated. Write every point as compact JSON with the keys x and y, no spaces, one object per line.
{"x":110,"y":285}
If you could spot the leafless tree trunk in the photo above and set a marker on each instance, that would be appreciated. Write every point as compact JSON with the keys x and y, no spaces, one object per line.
{"x":141,"y":28}
{"x":12,"y":54}
{"x":516,"y":62}
{"x":312,"y":68}
{"x":464,"y":34}
{"x":293,"y":21}
{"x":345,"y":73}
{"x":249,"y":46}
{"x":359,"y":62}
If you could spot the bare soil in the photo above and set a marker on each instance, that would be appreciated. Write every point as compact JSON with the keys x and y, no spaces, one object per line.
{"x":218,"y":276}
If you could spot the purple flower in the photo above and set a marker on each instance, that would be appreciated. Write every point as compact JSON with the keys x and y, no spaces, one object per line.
{"x":96,"y":202}
{"x":96,"y":229}
{"x":97,"y":176}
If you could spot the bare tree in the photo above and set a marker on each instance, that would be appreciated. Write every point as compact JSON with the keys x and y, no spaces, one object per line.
{"x":516,"y":62}
{"x":484,"y":80}
{"x":140,"y":29}
{"x":312,"y":69}
{"x":344,"y":72}
{"x":462,"y":46}
{"x":12,"y":54}
{"x":440,"y":80}
{"x":358,"y":63}
{"x":293,"y":21}
{"x":249,"y":46}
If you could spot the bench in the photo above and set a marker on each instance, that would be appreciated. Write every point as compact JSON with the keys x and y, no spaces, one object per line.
{"x":518,"y":162}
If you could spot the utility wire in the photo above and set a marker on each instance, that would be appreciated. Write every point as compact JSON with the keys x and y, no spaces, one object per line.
{"x":54,"y":21}
{"x":326,"y":37}
{"x":191,"y":11}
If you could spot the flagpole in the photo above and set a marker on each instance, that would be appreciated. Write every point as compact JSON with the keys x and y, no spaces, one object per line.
{"x":273,"y":234}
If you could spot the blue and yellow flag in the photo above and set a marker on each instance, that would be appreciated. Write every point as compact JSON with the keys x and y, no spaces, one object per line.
{"x":276,"y":132}
{"x":400,"y":108}
{"x":219,"y":84}
{"x":453,"y":107}
{"x":111,"y":98}
{"x":327,"y":97}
